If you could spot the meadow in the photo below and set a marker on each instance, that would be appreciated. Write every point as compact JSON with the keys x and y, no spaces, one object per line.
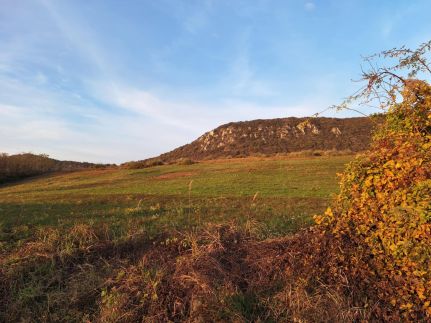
{"x":281,"y":194}
{"x":65,"y":237}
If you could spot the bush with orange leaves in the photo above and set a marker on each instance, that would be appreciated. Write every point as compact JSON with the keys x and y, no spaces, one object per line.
{"x":383,"y":211}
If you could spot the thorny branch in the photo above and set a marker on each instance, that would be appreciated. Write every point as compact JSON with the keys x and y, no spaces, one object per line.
{"x":383,"y":85}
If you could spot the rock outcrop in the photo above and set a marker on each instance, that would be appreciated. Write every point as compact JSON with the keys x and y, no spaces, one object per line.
{"x":277,"y":136}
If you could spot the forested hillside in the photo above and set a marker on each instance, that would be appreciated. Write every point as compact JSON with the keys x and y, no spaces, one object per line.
{"x":13,"y":167}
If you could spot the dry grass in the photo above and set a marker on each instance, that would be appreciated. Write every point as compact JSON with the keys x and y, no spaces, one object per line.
{"x":226,"y":275}
{"x":222,"y":273}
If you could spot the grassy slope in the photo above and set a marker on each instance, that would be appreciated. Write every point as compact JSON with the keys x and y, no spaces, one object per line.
{"x":290,"y":191}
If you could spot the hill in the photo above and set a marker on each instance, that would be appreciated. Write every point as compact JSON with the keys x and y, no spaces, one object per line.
{"x":274,"y":136}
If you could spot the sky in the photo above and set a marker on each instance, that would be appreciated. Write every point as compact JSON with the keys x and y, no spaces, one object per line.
{"x":112,"y":81}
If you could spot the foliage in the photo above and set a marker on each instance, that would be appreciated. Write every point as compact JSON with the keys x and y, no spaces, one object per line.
{"x":23,"y":165}
{"x":383,"y":212}
{"x":13,"y":167}
{"x":142,"y":164}
{"x":387,"y":74}
{"x":185,"y":161}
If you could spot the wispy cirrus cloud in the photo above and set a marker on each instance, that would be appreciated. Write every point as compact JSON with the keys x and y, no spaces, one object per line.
{"x":136,"y":113}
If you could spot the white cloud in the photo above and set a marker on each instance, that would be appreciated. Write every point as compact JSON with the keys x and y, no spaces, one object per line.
{"x":41,"y":78}
{"x":241,"y":80}
{"x":309,"y":6}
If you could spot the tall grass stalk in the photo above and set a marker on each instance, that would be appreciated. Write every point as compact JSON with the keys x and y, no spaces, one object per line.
{"x":190,"y":201}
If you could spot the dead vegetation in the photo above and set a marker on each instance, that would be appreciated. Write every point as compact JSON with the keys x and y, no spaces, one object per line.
{"x":221,"y":274}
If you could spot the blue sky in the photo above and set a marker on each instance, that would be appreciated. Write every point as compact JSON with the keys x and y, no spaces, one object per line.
{"x":112,"y":81}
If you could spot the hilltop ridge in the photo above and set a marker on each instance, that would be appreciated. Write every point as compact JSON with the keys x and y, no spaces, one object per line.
{"x":274,"y":136}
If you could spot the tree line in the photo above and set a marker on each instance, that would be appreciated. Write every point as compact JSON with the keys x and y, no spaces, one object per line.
{"x":18,"y":166}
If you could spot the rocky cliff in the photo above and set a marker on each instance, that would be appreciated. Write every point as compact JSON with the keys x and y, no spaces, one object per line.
{"x":275,"y":136}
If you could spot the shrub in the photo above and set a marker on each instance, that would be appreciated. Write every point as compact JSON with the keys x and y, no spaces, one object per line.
{"x":185,"y":161}
{"x":384,"y":208}
{"x":142,"y":164}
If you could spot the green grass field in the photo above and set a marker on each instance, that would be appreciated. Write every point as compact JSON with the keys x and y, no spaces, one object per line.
{"x":66,"y":239}
{"x":279,"y":194}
